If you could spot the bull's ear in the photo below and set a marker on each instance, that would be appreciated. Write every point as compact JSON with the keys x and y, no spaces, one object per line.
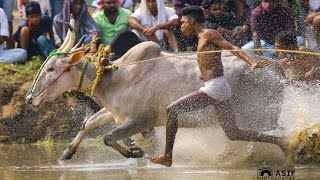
{"x":76,"y":57}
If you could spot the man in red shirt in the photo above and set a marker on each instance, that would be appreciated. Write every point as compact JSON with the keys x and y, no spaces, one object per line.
{"x":267,"y":20}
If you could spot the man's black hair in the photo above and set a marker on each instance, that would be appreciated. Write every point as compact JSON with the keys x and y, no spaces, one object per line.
{"x":195,"y":12}
{"x":33,"y":8}
{"x":207,"y":3}
{"x":287,"y":38}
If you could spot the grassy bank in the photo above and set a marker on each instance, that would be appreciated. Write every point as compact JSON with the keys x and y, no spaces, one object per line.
{"x":19,"y":73}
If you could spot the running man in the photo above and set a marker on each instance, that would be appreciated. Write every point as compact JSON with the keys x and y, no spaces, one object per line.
{"x":216,"y":90}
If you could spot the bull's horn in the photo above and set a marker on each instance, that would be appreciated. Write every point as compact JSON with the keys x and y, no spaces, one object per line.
{"x":71,"y":36}
{"x":70,"y":42}
{"x":79,"y":43}
{"x":66,"y":40}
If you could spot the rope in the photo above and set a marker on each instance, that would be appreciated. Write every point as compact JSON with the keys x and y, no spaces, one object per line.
{"x":97,"y":58}
{"x":103,"y":53}
{"x":94,"y":41}
{"x":114,"y":66}
{"x":82,"y":72}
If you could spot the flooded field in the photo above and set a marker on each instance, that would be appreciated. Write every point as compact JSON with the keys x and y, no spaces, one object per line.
{"x":99,"y":162}
{"x":203,"y":153}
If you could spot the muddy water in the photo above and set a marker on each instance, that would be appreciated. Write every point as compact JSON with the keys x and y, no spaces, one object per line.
{"x":95,"y":161}
{"x":198,"y":153}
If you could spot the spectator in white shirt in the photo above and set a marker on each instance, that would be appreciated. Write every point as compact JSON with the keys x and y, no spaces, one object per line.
{"x":7,"y":6}
{"x":16,"y":55}
{"x":155,"y":22}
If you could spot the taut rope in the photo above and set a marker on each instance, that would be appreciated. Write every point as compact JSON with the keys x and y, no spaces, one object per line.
{"x":115,"y":66}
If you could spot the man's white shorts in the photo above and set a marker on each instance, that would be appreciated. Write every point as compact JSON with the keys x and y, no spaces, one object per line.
{"x":217,"y":88}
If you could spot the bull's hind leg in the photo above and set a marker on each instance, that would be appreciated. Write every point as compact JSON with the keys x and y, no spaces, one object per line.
{"x":127,"y":129}
{"x":101,"y":117}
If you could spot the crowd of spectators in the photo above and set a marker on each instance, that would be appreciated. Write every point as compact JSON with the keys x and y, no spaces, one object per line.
{"x":248,"y":24}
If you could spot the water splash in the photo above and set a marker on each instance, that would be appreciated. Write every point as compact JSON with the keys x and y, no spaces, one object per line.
{"x":203,"y":147}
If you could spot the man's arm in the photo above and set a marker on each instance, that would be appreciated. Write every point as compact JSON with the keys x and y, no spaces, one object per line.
{"x":19,"y":5}
{"x":256,"y":39}
{"x":57,"y":40}
{"x":135,"y":24}
{"x":93,"y":46}
{"x":255,"y":27}
{"x":170,"y":25}
{"x":2,"y":39}
{"x":172,"y":22}
{"x":217,"y":39}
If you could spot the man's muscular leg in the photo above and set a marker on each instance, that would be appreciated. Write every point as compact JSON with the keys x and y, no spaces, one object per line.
{"x":229,"y":125}
{"x":190,"y":102}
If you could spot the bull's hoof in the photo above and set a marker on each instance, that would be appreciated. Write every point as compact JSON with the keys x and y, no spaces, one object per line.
{"x":135,"y":152}
{"x":66,"y":155}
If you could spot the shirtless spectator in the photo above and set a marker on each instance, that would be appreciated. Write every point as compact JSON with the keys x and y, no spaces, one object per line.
{"x":297,"y":66}
{"x":216,"y":90}
{"x":155,"y":22}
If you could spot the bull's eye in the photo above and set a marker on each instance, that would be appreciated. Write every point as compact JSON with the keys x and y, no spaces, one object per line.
{"x":50,"y":69}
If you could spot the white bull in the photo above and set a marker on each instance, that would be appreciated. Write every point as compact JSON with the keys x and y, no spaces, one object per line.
{"x":136,"y":96}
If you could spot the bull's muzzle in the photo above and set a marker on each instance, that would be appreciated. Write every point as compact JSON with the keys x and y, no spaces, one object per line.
{"x":29,"y":99}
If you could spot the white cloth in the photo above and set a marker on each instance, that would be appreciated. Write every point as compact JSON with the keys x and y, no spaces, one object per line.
{"x":218,"y":88}
{"x":143,"y":15}
{"x":314,"y":4}
{"x":10,"y":55}
{"x":4,"y":26}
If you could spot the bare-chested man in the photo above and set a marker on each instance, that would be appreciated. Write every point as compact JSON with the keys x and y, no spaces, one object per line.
{"x":216,"y":89}
{"x":304,"y":67}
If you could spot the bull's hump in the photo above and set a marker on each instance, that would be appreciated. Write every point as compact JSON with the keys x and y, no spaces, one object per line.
{"x":141,"y":51}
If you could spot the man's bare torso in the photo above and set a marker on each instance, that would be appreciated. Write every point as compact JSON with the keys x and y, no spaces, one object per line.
{"x":210,"y":64}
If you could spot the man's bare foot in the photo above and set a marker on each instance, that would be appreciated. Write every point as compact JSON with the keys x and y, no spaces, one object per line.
{"x":161,"y":160}
{"x":282,"y":140}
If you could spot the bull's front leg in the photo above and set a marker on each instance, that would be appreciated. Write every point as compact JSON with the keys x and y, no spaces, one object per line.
{"x":100,"y":118}
{"x":127,"y":129}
